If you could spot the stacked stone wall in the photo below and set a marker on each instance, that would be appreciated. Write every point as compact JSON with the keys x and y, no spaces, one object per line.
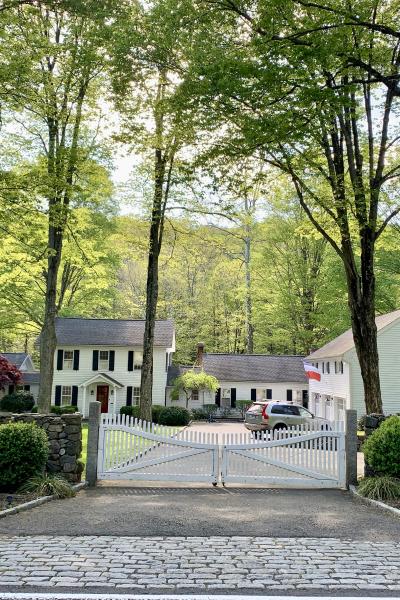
{"x":64,"y":433}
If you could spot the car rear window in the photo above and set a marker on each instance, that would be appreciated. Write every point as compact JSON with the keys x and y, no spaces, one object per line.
{"x":256,"y":408}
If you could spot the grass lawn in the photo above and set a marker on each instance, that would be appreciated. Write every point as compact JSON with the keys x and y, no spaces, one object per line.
{"x":85,"y":440}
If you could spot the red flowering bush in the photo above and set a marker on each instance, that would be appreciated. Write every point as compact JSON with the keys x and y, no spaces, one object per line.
{"x":9,"y":373}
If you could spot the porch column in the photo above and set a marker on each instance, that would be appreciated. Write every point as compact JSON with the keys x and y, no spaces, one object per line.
{"x":84,"y":402}
{"x":115,"y":399}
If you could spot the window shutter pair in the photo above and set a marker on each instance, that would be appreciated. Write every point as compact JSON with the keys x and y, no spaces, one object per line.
{"x":111,"y":360}
{"x":131,"y":355}
{"x":233,"y":397}
{"x":74,"y":399}
{"x":60,"y":360}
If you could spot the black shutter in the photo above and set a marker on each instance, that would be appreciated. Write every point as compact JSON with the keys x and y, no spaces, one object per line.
{"x":253,"y":394}
{"x":218,"y":397}
{"x":95,"y":363}
{"x":76,"y":360}
{"x":129,"y":395}
{"x":74,"y":400}
{"x":60,"y":358}
{"x":269,"y":394}
{"x":27,"y":388}
{"x":58,"y":395}
{"x":111,"y":360}
{"x":130,"y":360}
{"x":233,"y":397}
{"x":289,"y":395}
{"x":11,"y":388}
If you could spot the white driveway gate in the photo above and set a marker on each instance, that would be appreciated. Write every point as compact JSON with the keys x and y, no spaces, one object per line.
{"x":295,"y":457}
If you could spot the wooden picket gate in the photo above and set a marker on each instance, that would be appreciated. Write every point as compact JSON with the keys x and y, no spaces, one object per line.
{"x":296,"y":457}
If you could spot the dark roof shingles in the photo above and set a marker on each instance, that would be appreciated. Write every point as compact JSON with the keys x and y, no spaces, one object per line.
{"x":15,"y":358}
{"x":110,"y":332}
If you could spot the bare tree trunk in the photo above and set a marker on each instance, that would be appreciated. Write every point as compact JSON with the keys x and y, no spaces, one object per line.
{"x":248,"y":299}
{"x":146,"y":385}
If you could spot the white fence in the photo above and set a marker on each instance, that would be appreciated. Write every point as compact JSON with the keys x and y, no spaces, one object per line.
{"x":296,"y":457}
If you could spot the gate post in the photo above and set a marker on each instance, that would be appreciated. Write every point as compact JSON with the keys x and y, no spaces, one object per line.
{"x":351,"y":447}
{"x":93,"y":442}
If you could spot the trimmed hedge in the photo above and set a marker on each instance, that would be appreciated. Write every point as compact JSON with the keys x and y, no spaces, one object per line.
{"x":133,"y":411}
{"x":382,"y":448}
{"x":174,"y":415}
{"x":17,"y":402}
{"x":68,"y":409}
{"x":24,"y":450}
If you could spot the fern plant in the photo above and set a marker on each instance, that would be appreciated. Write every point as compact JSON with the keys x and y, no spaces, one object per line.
{"x":48,"y":485}
{"x":380,"y":488}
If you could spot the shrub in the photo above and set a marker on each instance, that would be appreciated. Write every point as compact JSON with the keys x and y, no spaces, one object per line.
{"x":382,"y":448}
{"x":24,"y":450}
{"x":380,"y":488}
{"x":68,"y":409}
{"x":243,"y":405}
{"x":17,"y":402}
{"x":198,"y":414}
{"x":155,"y":412}
{"x":131,"y":411}
{"x":210,"y":409}
{"x":361,"y":423}
{"x":46,"y":484}
{"x":174,"y":415}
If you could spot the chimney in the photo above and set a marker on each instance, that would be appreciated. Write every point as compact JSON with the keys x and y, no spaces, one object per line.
{"x":199,"y":356}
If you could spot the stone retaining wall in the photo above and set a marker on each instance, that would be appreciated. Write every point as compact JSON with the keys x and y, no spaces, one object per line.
{"x":65,"y":441}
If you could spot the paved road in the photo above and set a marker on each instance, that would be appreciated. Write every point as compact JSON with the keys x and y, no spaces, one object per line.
{"x":198,"y":563}
{"x":207,"y":511}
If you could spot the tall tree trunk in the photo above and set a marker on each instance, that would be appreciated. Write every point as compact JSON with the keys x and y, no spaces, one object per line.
{"x":48,"y":340}
{"x":248,"y":299}
{"x":157,"y":218}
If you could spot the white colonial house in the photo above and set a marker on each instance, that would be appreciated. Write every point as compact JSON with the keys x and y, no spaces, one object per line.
{"x":341,"y":385}
{"x":245,"y":377}
{"x":30,"y":375}
{"x":101,"y":359}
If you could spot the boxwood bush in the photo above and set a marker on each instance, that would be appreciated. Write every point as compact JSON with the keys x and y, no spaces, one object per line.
{"x":131,"y":411}
{"x":68,"y":409}
{"x":17,"y":402}
{"x":174,"y":415}
{"x":382,"y":448}
{"x":24,"y":450}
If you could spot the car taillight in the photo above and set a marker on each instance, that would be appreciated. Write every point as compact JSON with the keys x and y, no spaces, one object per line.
{"x":264,"y":413}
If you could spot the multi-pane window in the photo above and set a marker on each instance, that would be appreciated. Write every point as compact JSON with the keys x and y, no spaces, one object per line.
{"x":138,"y":360}
{"x":103,"y":360}
{"x":195,"y":395}
{"x":66,"y":395}
{"x":136,"y":395}
{"x":68,"y":359}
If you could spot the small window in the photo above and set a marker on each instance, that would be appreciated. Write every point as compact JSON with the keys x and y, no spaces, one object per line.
{"x":68,"y":359}
{"x":138,"y":361}
{"x":328,"y":367}
{"x":136,"y":395}
{"x":261,"y":395}
{"x":104,"y":360}
{"x":66,"y":395}
{"x":195,"y":395}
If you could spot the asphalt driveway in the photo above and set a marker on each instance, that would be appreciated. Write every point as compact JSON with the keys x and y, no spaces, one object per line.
{"x":204,"y":511}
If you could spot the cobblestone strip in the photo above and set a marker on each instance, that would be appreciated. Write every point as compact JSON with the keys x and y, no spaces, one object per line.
{"x":200,"y":563}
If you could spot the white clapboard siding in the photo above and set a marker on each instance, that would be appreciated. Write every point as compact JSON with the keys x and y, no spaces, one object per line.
{"x":301,"y":456}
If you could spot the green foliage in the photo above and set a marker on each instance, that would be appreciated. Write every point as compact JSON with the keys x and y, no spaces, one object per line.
{"x":17,"y":402}
{"x":243,"y":405}
{"x":193,"y":380}
{"x":24,"y":450}
{"x":382,"y":448}
{"x":380,"y":488}
{"x":204,"y":412}
{"x":131,"y":411}
{"x":174,"y":415}
{"x":48,"y":484}
{"x":156,"y":410}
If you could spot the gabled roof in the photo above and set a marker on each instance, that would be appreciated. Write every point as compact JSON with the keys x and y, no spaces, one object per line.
{"x":265,"y":368}
{"x":110,"y":332}
{"x":345,"y":342}
{"x":15,"y":358}
{"x":102,"y":377}
{"x":30,"y":377}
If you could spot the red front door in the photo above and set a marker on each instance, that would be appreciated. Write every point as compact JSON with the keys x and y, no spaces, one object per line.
{"x":102,"y":396}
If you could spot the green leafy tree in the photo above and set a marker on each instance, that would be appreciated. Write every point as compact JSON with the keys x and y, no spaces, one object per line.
{"x":193,"y":381}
